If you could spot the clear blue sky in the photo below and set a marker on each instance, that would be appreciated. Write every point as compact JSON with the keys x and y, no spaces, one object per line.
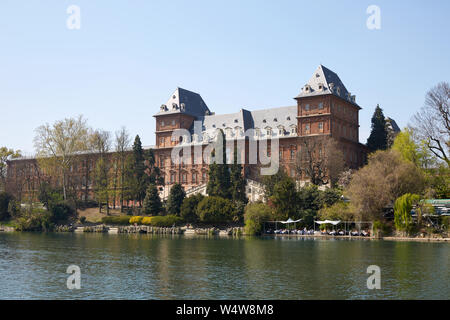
{"x":129,"y":56}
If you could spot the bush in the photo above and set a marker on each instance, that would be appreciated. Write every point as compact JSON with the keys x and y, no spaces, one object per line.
{"x":86,"y":204}
{"x":215,"y":210}
{"x":82,"y":219}
{"x":116,"y":220}
{"x":146,"y":221}
{"x":165,"y":221}
{"x":5,"y":199}
{"x":254,"y":217}
{"x":189,"y":207}
{"x":62,"y":212}
{"x":38,"y":220}
{"x":136,"y":219}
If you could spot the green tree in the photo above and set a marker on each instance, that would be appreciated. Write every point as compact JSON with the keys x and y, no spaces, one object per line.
{"x":219,"y":173}
{"x":139,"y":182}
{"x":176,"y":197}
{"x":405,"y":144}
{"x":152,"y":202}
{"x":237,"y":181}
{"x":256,"y":214}
{"x":270,"y":181}
{"x":378,"y":136}
{"x":189,"y":207}
{"x":285,"y":199}
{"x":402,"y":211}
{"x":49,"y":196}
{"x":215,"y":210}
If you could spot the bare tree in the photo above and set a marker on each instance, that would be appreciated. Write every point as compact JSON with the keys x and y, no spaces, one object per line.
{"x":122,"y":144}
{"x":57,"y":145}
{"x":320,"y":159}
{"x":432,"y":122}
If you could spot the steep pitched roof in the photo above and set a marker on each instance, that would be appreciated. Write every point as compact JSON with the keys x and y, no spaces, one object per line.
{"x":184,"y":101}
{"x":324,"y":81}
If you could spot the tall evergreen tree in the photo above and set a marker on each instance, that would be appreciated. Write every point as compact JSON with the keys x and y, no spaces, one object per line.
{"x":152,"y":202}
{"x":139,"y":185}
{"x":219,"y":174}
{"x":176,"y":197}
{"x":237,"y":181}
{"x":379,"y":135}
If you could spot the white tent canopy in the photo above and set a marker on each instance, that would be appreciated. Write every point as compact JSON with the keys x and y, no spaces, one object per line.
{"x":288,"y":221}
{"x":334,"y":223}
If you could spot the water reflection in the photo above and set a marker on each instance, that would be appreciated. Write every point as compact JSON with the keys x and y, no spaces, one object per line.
{"x":33,"y":266}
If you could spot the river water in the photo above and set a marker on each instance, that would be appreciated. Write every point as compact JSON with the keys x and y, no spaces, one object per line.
{"x":33,"y":266}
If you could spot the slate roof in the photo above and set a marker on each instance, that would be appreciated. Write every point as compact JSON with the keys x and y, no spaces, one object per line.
{"x":184,"y":101}
{"x":324,"y":81}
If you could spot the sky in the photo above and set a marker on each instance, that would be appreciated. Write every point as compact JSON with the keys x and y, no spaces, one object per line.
{"x":128,"y":57}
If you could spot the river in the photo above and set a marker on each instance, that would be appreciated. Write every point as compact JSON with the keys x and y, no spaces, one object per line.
{"x":33,"y":266}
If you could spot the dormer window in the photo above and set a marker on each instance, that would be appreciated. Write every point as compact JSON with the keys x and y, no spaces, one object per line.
{"x":236,"y":121}
{"x":293,"y":130}
{"x":174,"y":106}
{"x":182,"y":106}
{"x":269,"y":131}
{"x":275,"y":120}
{"x":213,"y":125}
{"x":264,"y":121}
{"x":288,"y":118}
{"x":163,"y":107}
{"x":338,"y":91}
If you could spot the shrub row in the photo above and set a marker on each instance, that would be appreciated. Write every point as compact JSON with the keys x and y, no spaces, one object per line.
{"x":156,"y":221}
{"x":116,"y":220}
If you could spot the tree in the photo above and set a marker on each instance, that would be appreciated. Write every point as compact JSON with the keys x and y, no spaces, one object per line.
{"x":339,"y":211}
{"x":320,"y":159}
{"x":256,"y":214}
{"x":189,"y":207}
{"x":5,"y":199}
{"x":285,"y":199}
{"x":140,"y":183}
{"x":101,"y":144}
{"x":6,"y":155}
{"x":405,"y":144}
{"x":215,"y":210}
{"x":237,"y":181}
{"x":270,"y":181}
{"x":49,"y":196}
{"x":176,"y":197}
{"x":152,"y":202}
{"x":432,"y":122}
{"x":385,"y":178}
{"x":219,"y":174}
{"x":122,"y":144}
{"x":402,"y":211}
{"x":57,"y":145}
{"x":378,"y":136}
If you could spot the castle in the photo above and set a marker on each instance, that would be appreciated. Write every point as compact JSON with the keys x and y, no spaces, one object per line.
{"x":324,"y":108}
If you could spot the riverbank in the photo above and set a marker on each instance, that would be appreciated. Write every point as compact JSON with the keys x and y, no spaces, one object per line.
{"x":232,"y":231}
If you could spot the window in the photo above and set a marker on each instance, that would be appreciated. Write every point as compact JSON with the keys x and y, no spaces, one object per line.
{"x":184,"y":177}
{"x":194,"y":177}
{"x":320,"y":126}
{"x":162,"y":123}
{"x":292,"y":154}
{"x":204,"y":176}
{"x":172,"y":177}
{"x":269,"y":131}
{"x":281,"y":154}
{"x":321,"y":105}
{"x":280,"y":131}
{"x":293,"y":130}
{"x":292,"y":173}
{"x":161,"y":141}
{"x":307,"y":128}
{"x":173,"y":122}
{"x":307,"y":107}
